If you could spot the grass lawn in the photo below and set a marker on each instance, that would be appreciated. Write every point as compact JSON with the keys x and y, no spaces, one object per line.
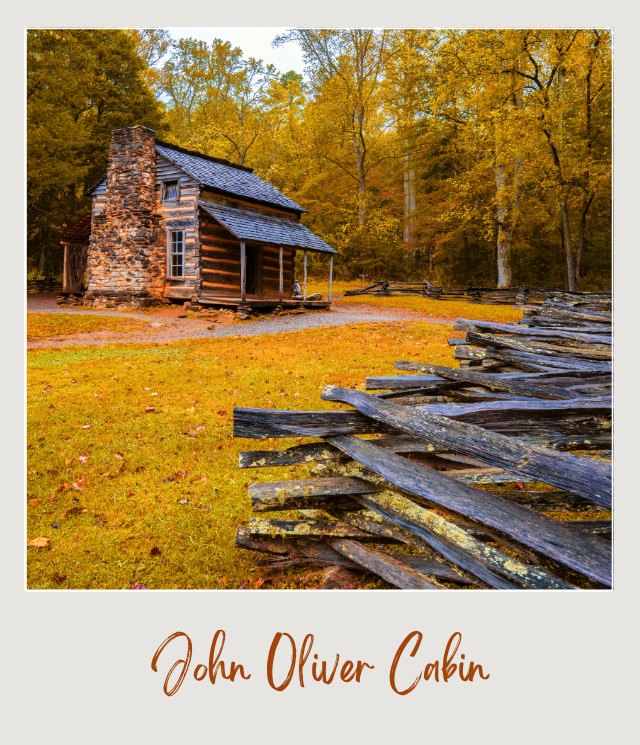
{"x":130,"y":450}
{"x":448,"y":309}
{"x":44,"y":325}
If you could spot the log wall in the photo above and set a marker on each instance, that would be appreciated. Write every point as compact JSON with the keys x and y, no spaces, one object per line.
{"x":220,"y":262}
{"x":212,"y":253}
{"x":180,"y":214}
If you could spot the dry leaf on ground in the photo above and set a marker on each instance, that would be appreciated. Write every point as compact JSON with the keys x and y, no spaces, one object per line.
{"x":40,"y":542}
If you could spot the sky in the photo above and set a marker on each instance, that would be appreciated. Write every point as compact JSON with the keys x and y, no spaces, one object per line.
{"x":254,"y":42}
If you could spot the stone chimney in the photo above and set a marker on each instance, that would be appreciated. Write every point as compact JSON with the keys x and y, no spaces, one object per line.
{"x":120,"y":266}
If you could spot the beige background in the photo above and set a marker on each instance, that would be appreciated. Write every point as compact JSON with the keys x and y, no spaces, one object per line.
{"x":77,"y":665}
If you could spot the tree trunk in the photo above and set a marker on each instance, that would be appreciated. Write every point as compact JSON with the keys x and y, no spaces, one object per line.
{"x":505,"y":231}
{"x":568,"y":247}
{"x":362,"y":185}
{"x":409,"y":194}
{"x":360,"y":153}
{"x":505,"y":277}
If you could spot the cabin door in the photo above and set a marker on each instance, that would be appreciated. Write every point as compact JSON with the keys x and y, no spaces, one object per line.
{"x":252,"y":278}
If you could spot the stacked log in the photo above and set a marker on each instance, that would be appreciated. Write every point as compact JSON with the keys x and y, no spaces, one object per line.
{"x":35,"y":286}
{"x":427,"y":503}
{"x":551,"y":336}
{"x":521,"y":295}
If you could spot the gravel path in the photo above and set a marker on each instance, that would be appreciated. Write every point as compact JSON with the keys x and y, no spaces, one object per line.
{"x":174,"y":329}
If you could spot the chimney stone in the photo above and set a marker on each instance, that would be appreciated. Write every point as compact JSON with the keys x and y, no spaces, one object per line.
{"x":126,"y":228}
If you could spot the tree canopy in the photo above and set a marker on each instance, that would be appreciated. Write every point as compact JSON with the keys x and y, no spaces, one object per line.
{"x":80,"y":86}
{"x":463,"y":157}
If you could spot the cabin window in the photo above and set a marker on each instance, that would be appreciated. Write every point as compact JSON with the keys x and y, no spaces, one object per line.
{"x":170,"y":191}
{"x":176,"y":253}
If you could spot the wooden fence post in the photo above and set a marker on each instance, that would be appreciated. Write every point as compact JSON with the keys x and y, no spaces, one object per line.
{"x":304,"y":294}
{"x":330,"y":275}
{"x":281,"y":276}
{"x":243,"y":272}
{"x":64,"y":271}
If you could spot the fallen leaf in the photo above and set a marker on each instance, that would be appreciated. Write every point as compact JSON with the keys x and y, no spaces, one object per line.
{"x":183,"y":501}
{"x":138,"y":586}
{"x":39,"y":542}
{"x":79,"y":485}
{"x":83,"y":458}
{"x":155,"y":551}
{"x":56,"y":525}
{"x":119,"y":456}
{"x":222,"y":413}
{"x":86,"y":426}
{"x":519,"y":485}
{"x":74,"y":511}
{"x":34,"y":501}
{"x":58,"y":579}
{"x":259,"y":583}
{"x":149,"y":409}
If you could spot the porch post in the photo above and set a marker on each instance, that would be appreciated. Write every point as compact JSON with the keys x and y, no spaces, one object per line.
{"x":304,"y":294}
{"x":65,"y":281}
{"x":281,"y":276}
{"x":243,"y":272}
{"x":330,"y":276}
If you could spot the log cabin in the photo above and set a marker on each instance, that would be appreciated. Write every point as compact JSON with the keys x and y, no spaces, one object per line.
{"x":170,"y":224}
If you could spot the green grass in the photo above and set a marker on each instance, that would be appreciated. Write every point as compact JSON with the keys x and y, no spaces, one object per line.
{"x":45,"y":325}
{"x":91,"y":403}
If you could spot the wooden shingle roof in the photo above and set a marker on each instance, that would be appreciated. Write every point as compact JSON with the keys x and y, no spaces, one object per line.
{"x":252,"y":226}
{"x":226,"y":178}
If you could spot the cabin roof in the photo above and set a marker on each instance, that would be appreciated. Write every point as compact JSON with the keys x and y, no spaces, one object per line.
{"x":251,"y":226}
{"x":226,"y":177}
{"x":78,"y":234}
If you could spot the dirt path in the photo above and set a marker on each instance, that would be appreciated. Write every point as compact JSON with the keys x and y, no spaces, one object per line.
{"x":171,"y":328}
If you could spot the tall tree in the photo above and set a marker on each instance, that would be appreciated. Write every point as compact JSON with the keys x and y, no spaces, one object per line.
{"x":80,"y":86}
{"x":568,"y":81}
{"x":480,"y":94}
{"x":218,"y":100}
{"x":346,"y":68}
{"x":406,"y":92}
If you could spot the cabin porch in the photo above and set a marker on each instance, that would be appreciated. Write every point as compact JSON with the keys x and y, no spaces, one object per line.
{"x":227,"y":302}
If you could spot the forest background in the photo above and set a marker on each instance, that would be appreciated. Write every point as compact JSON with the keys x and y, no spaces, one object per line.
{"x":478,"y":157}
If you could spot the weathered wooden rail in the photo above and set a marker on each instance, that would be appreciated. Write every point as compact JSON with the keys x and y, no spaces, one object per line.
{"x":521,"y":295}
{"x":35,"y":286}
{"x":437,"y":499}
